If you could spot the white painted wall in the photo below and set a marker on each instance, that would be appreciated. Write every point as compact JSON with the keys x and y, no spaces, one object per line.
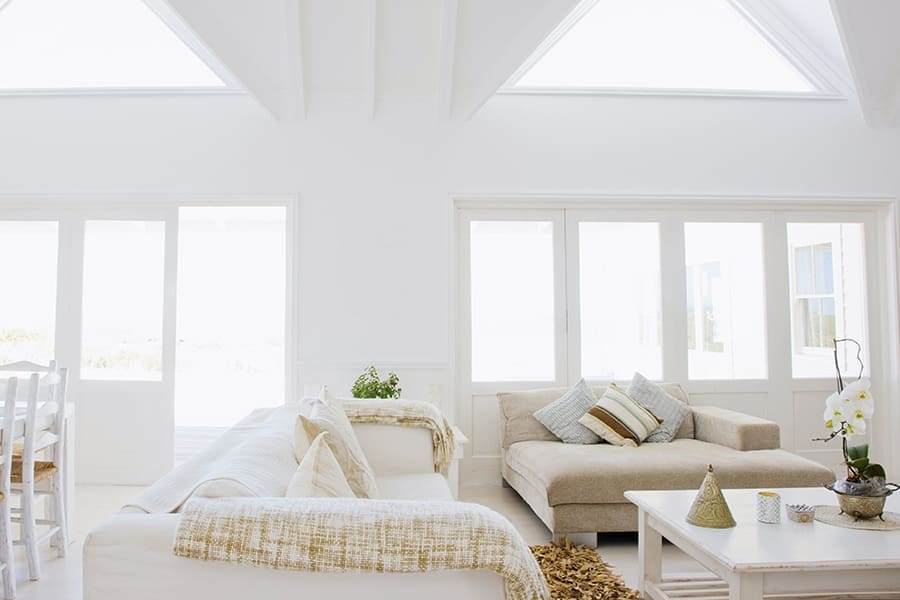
{"x":375,"y":249}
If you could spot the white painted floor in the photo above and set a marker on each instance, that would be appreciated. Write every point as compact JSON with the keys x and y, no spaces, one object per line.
{"x":61,"y":577}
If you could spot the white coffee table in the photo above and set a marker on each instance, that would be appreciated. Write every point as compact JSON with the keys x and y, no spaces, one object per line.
{"x":758,"y":560}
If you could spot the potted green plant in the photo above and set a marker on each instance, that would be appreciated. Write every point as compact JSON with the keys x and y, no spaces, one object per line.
{"x":863,"y":491}
{"x":368,"y":385}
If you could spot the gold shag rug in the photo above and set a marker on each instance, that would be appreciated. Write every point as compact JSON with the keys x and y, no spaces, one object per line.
{"x":578,"y":573}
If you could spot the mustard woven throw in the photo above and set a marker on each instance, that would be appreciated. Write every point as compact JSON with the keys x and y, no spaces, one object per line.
{"x":353,"y":534}
{"x":409,"y":413}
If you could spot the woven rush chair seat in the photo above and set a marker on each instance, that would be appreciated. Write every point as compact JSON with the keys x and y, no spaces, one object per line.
{"x":38,"y":459}
{"x":42,"y":470}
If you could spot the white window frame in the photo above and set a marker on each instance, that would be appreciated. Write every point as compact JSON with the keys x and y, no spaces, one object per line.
{"x":170,"y":18}
{"x":71,"y":211}
{"x":794,"y":403}
{"x":791,"y":43}
{"x":465,"y":312}
{"x":797,"y":297}
{"x":672,"y":212}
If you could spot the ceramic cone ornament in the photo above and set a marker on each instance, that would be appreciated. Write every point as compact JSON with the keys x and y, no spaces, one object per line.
{"x":709,"y":508}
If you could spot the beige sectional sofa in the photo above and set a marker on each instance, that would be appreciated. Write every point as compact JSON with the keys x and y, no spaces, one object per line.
{"x":578,"y":489}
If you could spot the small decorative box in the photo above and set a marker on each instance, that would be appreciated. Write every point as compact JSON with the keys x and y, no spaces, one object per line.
{"x":801,"y":513}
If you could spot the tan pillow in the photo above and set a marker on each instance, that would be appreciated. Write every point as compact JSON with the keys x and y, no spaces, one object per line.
{"x":619,"y":419}
{"x":328,"y":416}
{"x":319,"y":474}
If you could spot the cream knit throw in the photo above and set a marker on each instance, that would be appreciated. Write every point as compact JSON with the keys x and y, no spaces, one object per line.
{"x":353,"y":534}
{"x":409,"y":413}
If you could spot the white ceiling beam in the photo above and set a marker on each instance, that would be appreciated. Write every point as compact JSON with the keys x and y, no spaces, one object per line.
{"x":867,"y":31}
{"x":371,"y":50}
{"x":226,"y":29}
{"x":542,"y":18}
{"x":447,"y":58}
{"x":780,"y":31}
{"x":296,"y":96}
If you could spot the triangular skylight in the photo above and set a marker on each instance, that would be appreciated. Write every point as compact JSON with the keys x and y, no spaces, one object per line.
{"x":681,"y":45}
{"x":94,"y":45}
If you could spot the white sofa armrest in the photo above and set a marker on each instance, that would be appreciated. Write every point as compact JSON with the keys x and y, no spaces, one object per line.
{"x":735,"y":430}
{"x":395,"y":449}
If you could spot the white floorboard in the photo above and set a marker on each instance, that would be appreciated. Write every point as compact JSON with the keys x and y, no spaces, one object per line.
{"x":61,"y":579}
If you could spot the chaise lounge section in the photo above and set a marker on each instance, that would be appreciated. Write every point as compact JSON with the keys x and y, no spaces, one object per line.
{"x":579,"y":488}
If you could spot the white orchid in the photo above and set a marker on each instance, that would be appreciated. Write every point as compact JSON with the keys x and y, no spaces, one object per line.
{"x":845,"y":416}
{"x":846,"y":412}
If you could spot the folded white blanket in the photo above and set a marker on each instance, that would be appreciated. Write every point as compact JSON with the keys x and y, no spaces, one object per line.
{"x":253,"y":458}
{"x":352,"y":534}
{"x":407,"y":413}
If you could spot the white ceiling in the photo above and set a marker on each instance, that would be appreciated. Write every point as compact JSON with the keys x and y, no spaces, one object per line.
{"x":296,"y":56}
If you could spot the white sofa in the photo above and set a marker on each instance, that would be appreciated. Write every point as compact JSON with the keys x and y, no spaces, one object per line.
{"x":129,"y":557}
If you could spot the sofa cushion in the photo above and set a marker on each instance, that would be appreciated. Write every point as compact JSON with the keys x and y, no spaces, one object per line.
{"x":601,"y":473}
{"x":517,"y":422}
{"x":330,"y":417}
{"x":619,"y":419}
{"x":664,"y":407}
{"x":319,"y":474}
{"x":562,"y":415}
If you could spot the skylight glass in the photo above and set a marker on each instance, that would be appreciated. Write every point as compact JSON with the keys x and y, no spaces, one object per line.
{"x":666,"y":45}
{"x":94,"y":44}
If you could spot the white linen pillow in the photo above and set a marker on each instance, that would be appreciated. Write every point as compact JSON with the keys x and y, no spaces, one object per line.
{"x":671,"y":411}
{"x":329,"y":416}
{"x":319,"y":474}
{"x":561,"y":416}
{"x":619,"y":419}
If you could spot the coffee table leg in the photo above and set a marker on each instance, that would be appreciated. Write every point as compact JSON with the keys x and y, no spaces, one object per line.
{"x":649,"y":553}
{"x":745,"y":587}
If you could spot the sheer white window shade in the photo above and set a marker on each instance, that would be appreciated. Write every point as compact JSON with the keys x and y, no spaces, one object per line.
{"x":28,"y":256}
{"x":701,"y":45}
{"x":620,"y":300}
{"x":726,"y":296}
{"x":122,"y":310}
{"x":512,"y":301}
{"x":58,"y":45}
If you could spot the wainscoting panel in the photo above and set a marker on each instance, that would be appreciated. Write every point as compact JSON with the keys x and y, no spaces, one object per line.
{"x":485,"y":426}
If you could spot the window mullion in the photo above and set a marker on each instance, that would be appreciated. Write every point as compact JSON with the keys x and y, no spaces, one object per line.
{"x":673,"y":283}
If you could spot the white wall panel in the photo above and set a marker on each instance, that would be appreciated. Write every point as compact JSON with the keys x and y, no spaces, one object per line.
{"x":375,"y":255}
{"x":485,"y":426}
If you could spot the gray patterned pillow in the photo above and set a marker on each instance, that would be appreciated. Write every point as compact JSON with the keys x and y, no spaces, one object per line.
{"x":664,"y":407}
{"x":561,"y":416}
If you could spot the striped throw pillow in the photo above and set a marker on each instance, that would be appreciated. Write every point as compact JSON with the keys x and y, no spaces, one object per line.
{"x":319,"y":474}
{"x":619,"y":419}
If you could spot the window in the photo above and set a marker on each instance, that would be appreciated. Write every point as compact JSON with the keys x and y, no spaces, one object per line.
{"x":725,"y":301}
{"x":663,"y":45}
{"x":230,"y":356}
{"x":28,"y":251}
{"x":512,"y":305}
{"x":827,"y":295}
{"x":814,"y":294}
{"x":619,"y":300}
{"x":122,"y":309}
{"x":94,"y":44}
{"x":583,"y":293}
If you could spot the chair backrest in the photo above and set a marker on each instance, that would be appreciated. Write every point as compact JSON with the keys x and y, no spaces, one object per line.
{"x":46,"y":407}
{"x":8,"y":389}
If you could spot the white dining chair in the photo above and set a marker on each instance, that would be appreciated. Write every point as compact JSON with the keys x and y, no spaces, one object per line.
{"x":38,"y":463}
{"x":8,"y":389}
